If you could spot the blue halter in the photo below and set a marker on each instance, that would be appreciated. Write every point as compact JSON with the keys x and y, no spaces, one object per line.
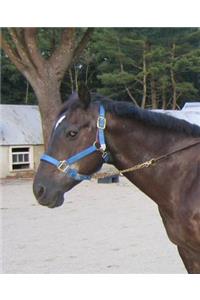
{"x":100,"y":145}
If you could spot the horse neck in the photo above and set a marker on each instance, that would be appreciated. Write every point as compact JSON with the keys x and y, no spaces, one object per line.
{"x":131,"y":142}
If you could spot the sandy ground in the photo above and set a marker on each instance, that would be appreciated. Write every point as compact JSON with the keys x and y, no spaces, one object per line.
{"x":101,"y":228}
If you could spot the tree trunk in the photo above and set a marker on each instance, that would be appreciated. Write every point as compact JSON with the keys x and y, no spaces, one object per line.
{"x":44,"y":75}
{"x":49,"y":102}
{"x":86,"y":74}
{"x":27,"y":92}
{"x":174,"y":92}
{"x":46,"y":86}
{"x":126,"y":88}
{"x":144,"y":78}
{"x":164,"y":99}
{"x":76,"y":72}
{"x":153,"y":94}
{"x":71,"y":80}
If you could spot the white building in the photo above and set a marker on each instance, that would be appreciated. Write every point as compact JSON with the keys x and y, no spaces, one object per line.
{"x":21,"y":141}
{"x":190,"y":112}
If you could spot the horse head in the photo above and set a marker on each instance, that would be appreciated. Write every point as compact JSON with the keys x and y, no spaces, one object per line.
{"x":66,"y":162}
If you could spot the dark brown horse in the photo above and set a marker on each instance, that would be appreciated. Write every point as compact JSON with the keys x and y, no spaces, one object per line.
{"x":132,"y":136}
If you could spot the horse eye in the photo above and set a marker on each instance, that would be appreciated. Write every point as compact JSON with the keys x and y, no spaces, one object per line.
{"x":72,"y":133}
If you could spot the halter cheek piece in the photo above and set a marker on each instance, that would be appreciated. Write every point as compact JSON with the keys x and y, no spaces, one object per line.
{"x":98,"y":145}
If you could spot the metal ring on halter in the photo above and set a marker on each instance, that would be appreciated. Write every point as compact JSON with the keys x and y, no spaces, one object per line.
{"x":99,"y":147}
{"x":63,"y":166}
{"x":101,"y":122}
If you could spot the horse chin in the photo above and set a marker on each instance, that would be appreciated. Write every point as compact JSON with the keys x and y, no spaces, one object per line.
{"x":58,"y":201}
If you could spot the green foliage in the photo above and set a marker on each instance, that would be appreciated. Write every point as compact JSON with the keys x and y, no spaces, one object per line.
{"x":189,"y":62}
{"x":187,"y":89}
{"x":113,"y":63}
{"x":48,"y":39}
{"x":14,"y":85}
{"x":121,"y":78}
{"x":120,"y":55}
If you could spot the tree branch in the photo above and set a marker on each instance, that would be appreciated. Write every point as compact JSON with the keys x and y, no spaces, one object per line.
{"x":20,"y":47}
{"x":30,"y":35}
{"x":22,"y":62}
{"x":131,"y":96}
{"x":136,"y":66}
{"x":12,"y":54}
{"x":81,"y":45}
{"x":62,"y":56}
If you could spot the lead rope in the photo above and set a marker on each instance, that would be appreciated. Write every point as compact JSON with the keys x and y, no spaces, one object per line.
{"x":146,"y":164}
{"x":143,"y":165}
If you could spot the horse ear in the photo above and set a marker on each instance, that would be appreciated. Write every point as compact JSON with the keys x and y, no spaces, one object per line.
{"x":84,"y":95}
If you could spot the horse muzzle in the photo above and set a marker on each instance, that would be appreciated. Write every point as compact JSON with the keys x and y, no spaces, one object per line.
{"x":45,"y":198}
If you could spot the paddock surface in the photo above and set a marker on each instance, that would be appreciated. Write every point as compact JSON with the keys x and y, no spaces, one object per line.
{"x":101,"y":228}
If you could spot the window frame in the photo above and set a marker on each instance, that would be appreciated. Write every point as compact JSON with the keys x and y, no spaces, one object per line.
{"x":30,"y":158}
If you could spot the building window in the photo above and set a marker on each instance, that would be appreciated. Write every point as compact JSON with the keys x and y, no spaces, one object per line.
{"x":21,"y":158}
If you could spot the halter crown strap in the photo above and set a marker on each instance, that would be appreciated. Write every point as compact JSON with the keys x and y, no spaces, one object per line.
{"x":100,"y":145}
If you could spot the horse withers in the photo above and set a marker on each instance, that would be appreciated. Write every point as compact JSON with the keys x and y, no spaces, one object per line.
{"x":87,"y":132}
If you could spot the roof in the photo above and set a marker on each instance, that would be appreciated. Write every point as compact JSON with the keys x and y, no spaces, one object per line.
{"x":190,"y":112}
{"x":192,"y":106}
{"x":20,"y":125}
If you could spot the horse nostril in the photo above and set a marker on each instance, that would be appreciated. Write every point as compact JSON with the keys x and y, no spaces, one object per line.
{"x":40,"y":191}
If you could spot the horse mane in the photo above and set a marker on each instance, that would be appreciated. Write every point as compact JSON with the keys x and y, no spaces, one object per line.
{"x":129,"y":110}
{"x":156,"y":119}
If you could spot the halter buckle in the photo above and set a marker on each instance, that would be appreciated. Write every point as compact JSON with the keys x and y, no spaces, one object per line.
{"x":99,"y":147}
{"x":63,"y":166}
{"x":101,"y":122}
{"x":105,"y":156}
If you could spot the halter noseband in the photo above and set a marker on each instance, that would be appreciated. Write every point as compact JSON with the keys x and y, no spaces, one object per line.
{"x":98,"y":145}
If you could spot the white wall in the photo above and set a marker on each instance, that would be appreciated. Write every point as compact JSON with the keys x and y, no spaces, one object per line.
{"x":4,"y":165}
{"x":5,"y":168}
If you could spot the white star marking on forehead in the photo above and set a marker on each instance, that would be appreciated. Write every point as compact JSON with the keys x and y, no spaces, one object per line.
{"x":59,"y":121}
